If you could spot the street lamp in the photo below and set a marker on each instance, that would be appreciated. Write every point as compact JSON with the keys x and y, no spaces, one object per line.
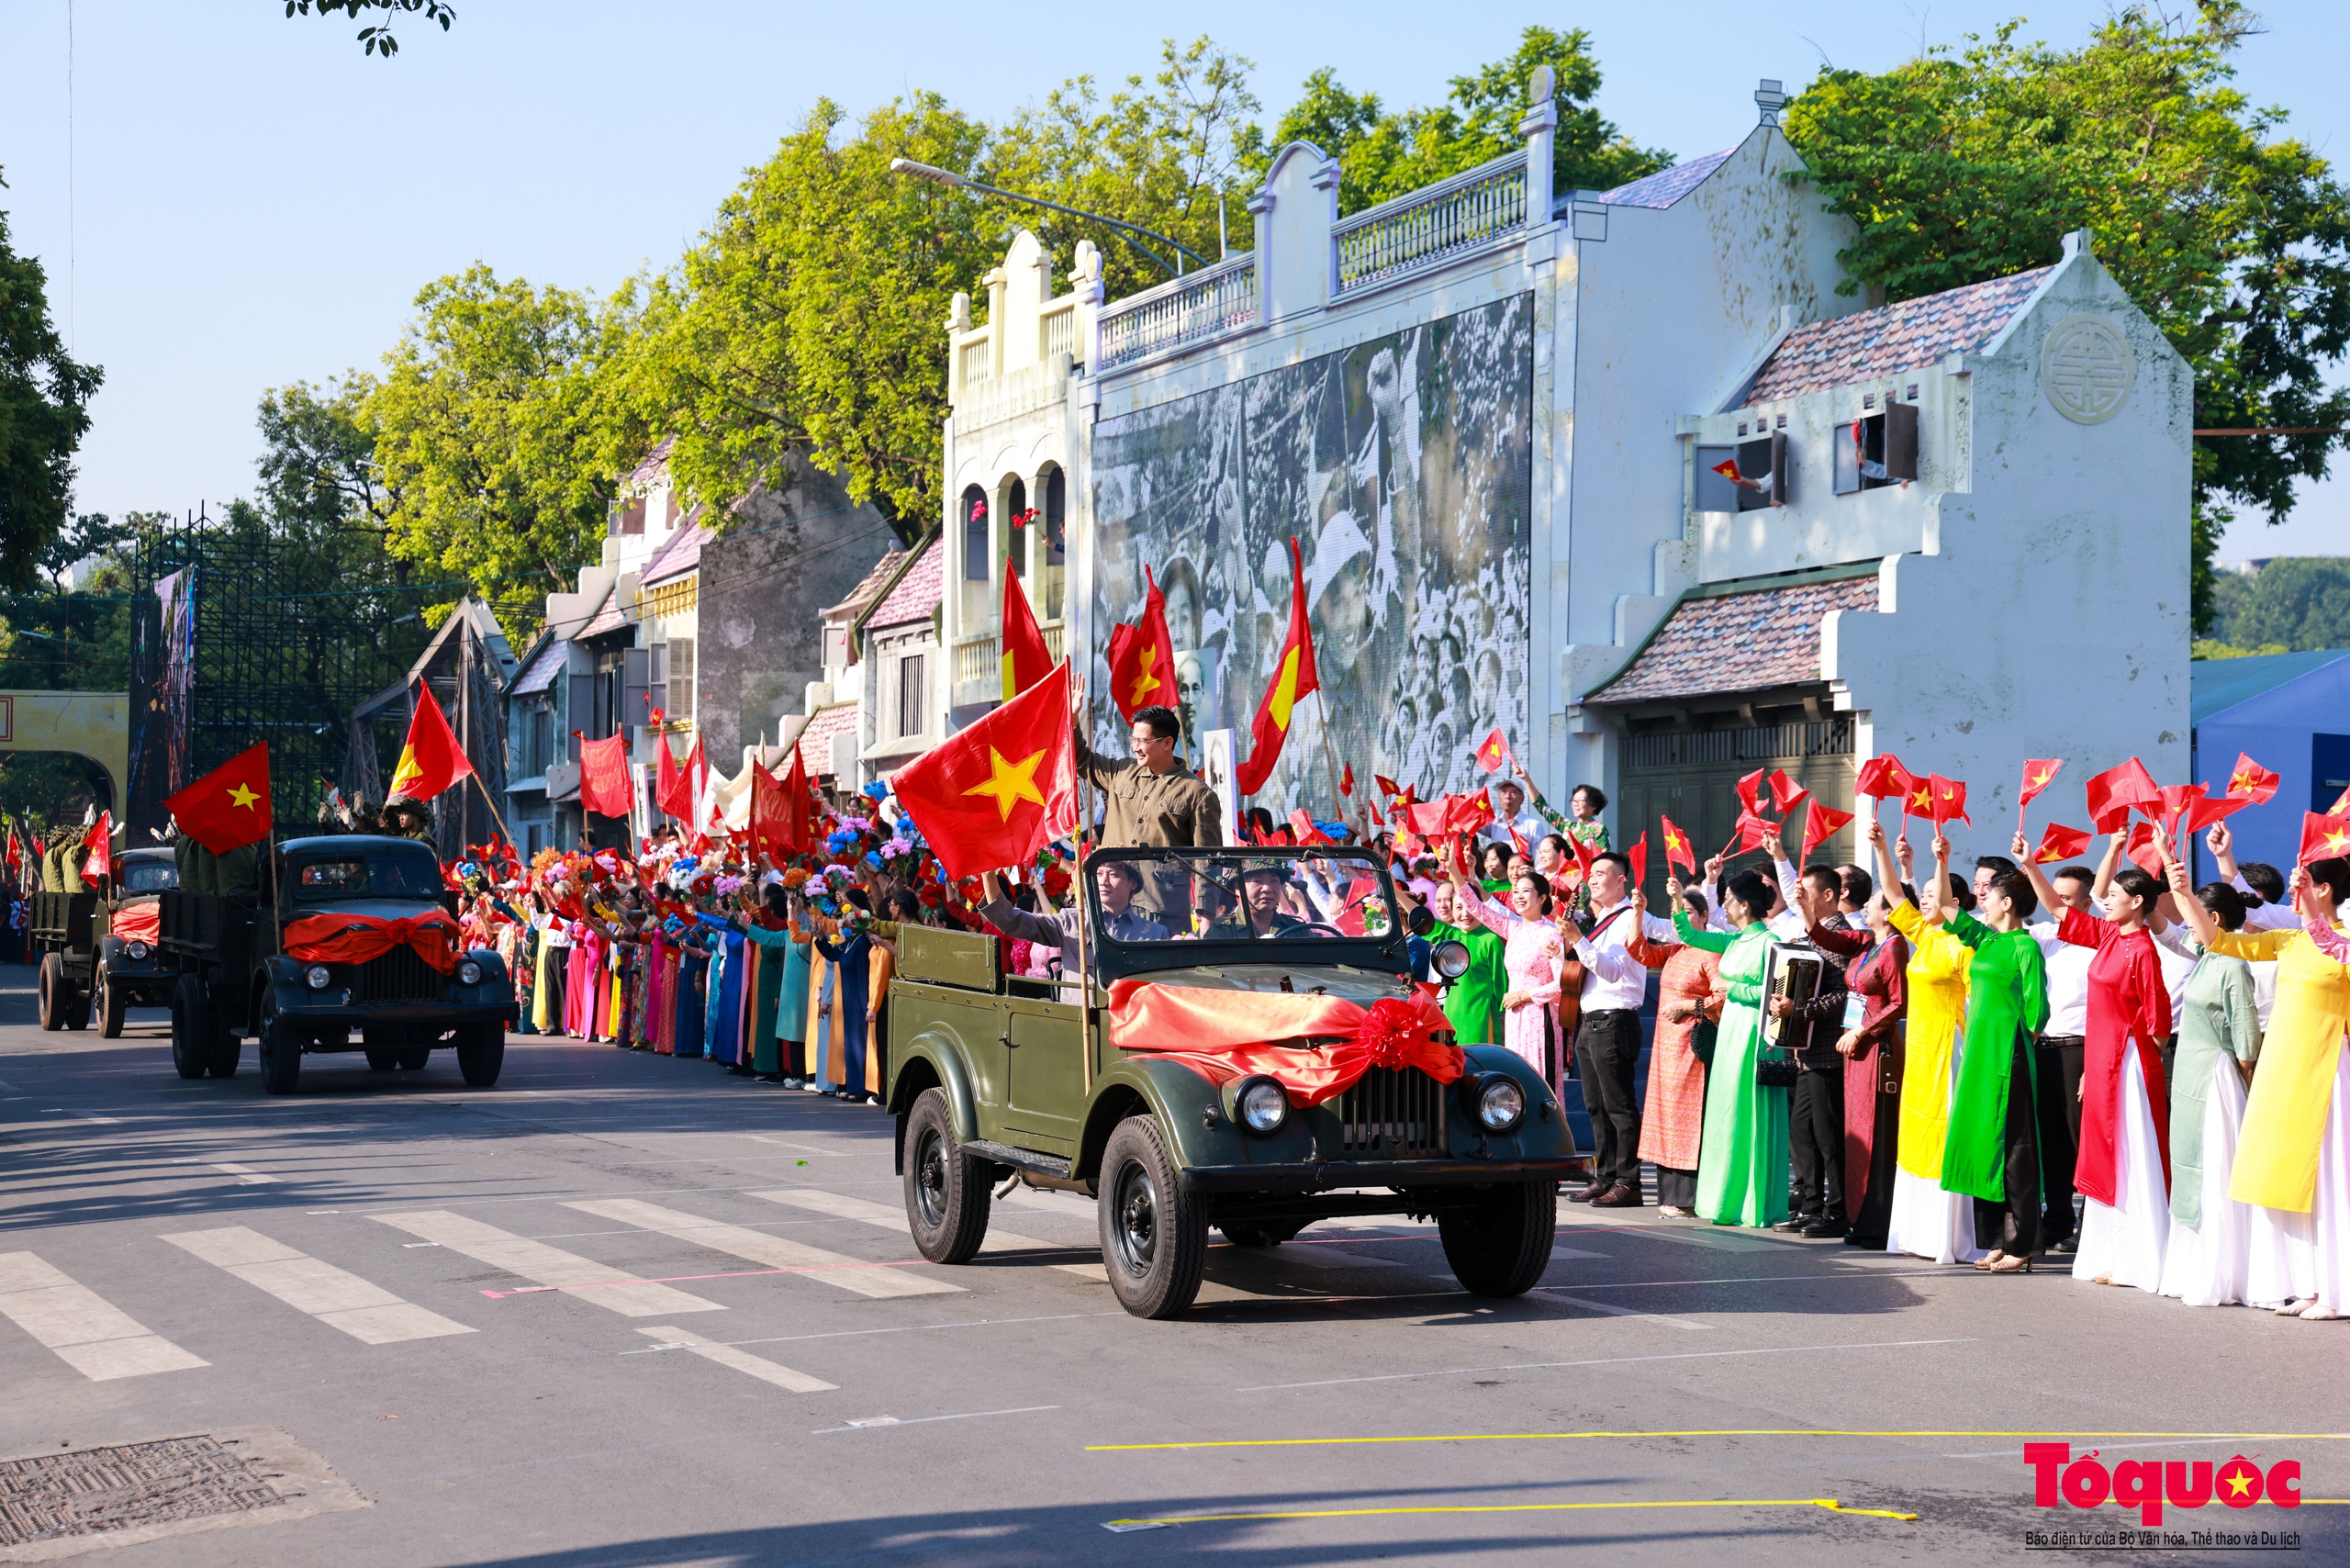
{"x":964,"y":182}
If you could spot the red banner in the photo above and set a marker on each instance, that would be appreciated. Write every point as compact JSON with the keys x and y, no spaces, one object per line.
{"x":138,"y":922}
{"x":355,"y":938}
{"x":1229,"y":1033}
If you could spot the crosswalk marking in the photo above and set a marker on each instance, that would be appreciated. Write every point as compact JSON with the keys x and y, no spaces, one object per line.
{"x":616,"y":1290}
{"x":100,"y":1341}
{"x":742,"y":1361}
{"x":887,"y":1217}
{"x":857,"y":1274}
{"x":339,"y":1299}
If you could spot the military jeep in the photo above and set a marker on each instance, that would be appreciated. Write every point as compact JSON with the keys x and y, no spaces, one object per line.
{"x":98,"y":946}
{"x":993,"y":1077}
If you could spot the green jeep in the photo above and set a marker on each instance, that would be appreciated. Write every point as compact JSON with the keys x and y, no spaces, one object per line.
{"x":994,"y":1076}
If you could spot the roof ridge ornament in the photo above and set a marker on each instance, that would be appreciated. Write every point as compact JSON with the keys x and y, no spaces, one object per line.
{"x":1770,"y":98}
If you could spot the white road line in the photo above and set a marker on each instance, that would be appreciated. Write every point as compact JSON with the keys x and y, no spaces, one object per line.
{"x":857,"y":1274}
{"x":339,"y":1299}
{"x":889,"y":1217}
{"x":100,"y":1341}
{"x":1614,"y":1311}
{"x":870,"y":1422}
{"x":795,"y":1147}
{"x":244,"y":1173}
{"x":1610,"y":1361}
{"x":741,"y":1360}
{"x":616,"y":1290}
{"x":1573,"y":1252}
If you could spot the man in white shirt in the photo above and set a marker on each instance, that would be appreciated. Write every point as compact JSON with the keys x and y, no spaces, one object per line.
{"x":2061,"y":1043}
{"x":1608,"y":1042}
{"x":2265,"y":906}
{"x":1510,"y":810}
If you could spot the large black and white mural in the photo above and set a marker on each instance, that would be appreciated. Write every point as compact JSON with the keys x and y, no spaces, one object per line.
{"x":1403,"y":466}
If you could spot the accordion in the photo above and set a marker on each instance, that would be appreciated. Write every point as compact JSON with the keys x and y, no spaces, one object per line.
{"x":1793,"y":970}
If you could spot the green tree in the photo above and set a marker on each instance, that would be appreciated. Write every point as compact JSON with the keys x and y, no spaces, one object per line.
{"x":44,"y":413}
{"x":1963,"y":166}
{"x":376,"y":37}
{"x":496,"y":436}
{"x":1383,"y":153}
{"x":2297,"y":604}
{"x":318,"y":460}
{"x":54,"y":637}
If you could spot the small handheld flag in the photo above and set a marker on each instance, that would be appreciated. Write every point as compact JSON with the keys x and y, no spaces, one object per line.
{"x":1677,"y":851}
{"x":1638,"y":856}
{"x":1495,"y":752}
{"x":1950,"y":800}
{"x":1820,"y":824}
{"x":2113,"y":793}
{"x":2058,"y":841}
{"x":2038,"y":771}
{"x":2252,"y":782}
{"x":2323,"y":838}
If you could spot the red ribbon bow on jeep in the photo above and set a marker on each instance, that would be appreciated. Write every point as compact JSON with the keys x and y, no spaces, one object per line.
{"x":355,"y":938}
{"x":1229,"y":1033}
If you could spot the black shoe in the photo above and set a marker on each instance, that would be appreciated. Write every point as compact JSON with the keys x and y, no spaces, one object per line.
{"x":1793,"y":1222}
{"x":2070,"y":1244}
{"x":770,"y":1077}
{"x":1592,"y":1193}
{"x":1622,"y":1195}
{"x":1823,"y":1227}
{"x":738,"y":1070}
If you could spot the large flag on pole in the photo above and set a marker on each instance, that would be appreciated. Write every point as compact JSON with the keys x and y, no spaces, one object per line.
{"x":1026,"y":660}
{"x":229,"y":807}
{"x":999,"y":790}
{"x":1142,"y":658}
{"x":604,"y":775}
{"x":1292,"y":678}
{"x":431,"y":759}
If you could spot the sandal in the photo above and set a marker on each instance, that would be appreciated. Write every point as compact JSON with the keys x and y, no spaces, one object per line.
{"x":2013,"y":1263}
{"x":2318,"y":1313}
{"x":2102,"y":1279}
{"x":1989,"y":1261}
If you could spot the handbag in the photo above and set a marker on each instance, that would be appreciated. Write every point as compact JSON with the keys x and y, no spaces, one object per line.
{"x":1703,"y":1034}
{"x":1773,"y":1069}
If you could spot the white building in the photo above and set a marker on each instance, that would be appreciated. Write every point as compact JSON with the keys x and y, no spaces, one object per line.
{"x":1497,"y":422}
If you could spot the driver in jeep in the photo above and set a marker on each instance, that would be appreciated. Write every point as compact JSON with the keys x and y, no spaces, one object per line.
{"x":1260,"y":914}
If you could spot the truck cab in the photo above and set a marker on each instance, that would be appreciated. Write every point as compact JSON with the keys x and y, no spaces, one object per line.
{"x":1076,"y":1088}
{"x":259,"y":965}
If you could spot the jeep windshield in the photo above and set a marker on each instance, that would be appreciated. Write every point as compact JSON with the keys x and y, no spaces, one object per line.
{"x":1154,"y":898}
{"x":366,"y":877}
{"x":149,"y":877}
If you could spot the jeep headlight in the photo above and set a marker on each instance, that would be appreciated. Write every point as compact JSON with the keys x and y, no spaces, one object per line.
{"x":468,"y":973}
{"x":1449,"y":959}
{"x":136,"y":949}
{"x":316,"y":977}
{"x":1261,"y":1106}
{"x":1500,"y":1103}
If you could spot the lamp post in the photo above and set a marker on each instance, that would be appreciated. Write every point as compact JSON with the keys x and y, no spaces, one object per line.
{"x":964,"y":182}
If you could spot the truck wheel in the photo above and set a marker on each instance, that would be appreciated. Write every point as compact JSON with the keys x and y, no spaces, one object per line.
{"x":383,"y":1061}
{"x":281,"y":1053}
{"x":112,"y":1007}
{"x":191,"y":1030}
{"x":52,"y":980}
{"x":1153,"y":1234}
{"x":946,"y":1190}
{"x":481,"y":1051}
{"x":1500,"y":1246}
{"x":413,"y":1061}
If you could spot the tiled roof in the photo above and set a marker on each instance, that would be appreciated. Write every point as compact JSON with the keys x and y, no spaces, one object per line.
{"x":917,"y":593}
{"x":608,"y":619}
{"x":654,"y":464}
{"x":542,"y":671}
{"x":1668,"y":185}
{"x":679,"y":553}
{"x":1740,"y":642}
{"x":1892,"y":337}
{"x":816,"y":736}
{"x":859,"y":596}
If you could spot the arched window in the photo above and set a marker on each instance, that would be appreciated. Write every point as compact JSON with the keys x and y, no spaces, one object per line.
{"x":975,"y":534}
{"x":1052,"y":528}
{"x":1016,"y":531}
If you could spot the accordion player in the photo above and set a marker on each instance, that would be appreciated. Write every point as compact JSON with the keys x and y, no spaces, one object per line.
{"x":1792,"y":969}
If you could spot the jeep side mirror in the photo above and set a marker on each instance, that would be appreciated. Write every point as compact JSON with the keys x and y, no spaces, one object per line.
{"x":1450,"y":958}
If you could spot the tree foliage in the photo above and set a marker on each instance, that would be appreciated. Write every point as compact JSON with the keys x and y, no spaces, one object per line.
{"x":44,"y":413}
{"x":498,"y":440}
{"x":1383,"y":153}
{"x":2295,"y":604}
{"x":376,"y":37}
{"x":1959,"y":167}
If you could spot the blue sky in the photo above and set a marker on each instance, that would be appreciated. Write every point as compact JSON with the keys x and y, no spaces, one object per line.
{"x":254,"y":203}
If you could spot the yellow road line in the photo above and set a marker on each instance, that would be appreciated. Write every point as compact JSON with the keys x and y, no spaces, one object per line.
{"x":1726,"y":1432}
{"x":1831,"y":1503}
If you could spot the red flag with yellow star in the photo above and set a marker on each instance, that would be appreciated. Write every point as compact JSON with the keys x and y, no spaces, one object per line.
{"x":1292,"y":678}
{"x":2323,"y":838}
{"x":431,"y":759}
{"x":1949,"y":799}
{"x":1027,"y":659}
{"x":998,"y":793}
{"x":1678,"y":851}
{"x":1142,"y":658}
{"x":2252,"y":782}
{"x":229,"y":807}
{"x":2058,"y":841}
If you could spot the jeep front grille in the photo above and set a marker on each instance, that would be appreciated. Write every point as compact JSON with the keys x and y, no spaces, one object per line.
{"x":400,"y":974}
{"x":1393,"y":1114}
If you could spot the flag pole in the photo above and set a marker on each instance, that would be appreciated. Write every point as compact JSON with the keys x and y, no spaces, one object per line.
{"x":494,"y":813}
{"x":1329,"y":754}
{"x":1084,"y":947}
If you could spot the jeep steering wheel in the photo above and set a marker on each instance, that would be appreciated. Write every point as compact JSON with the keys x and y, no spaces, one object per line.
{"x":1316,"y":927}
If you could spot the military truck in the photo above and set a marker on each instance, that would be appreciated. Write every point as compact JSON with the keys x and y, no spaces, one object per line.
{"x":97,"y":944}
{"x":234,"y":978}
{"x":994,"y":1076}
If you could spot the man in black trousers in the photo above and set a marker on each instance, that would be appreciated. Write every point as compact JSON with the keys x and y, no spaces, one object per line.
{"x":1816,"y":1106}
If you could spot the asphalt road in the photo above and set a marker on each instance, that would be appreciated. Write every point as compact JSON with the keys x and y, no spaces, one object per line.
{"x":626,"y":1309}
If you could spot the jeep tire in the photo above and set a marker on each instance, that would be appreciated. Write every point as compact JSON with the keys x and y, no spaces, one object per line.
{"x":1154,"y":1232}
{"x":1500,"y":1245}
{"x":281,"y":1052}
{"x":946,"y":1190}
{"x":481,"y":1051}
{"x":114,"y":1004}
{"x":383,"y":1061}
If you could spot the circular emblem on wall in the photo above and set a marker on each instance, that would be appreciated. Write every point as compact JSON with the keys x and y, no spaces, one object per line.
{"x":2086,"y":369}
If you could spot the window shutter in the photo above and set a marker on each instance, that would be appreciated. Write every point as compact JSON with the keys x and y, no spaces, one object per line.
{"x":1782,"y":490}
{"x":1847,"y":446}
{"x":636,"y":686}
{"x":1900,"y":441}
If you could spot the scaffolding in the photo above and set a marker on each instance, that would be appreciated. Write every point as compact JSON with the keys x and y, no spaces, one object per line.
{"x":270,"y":639}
